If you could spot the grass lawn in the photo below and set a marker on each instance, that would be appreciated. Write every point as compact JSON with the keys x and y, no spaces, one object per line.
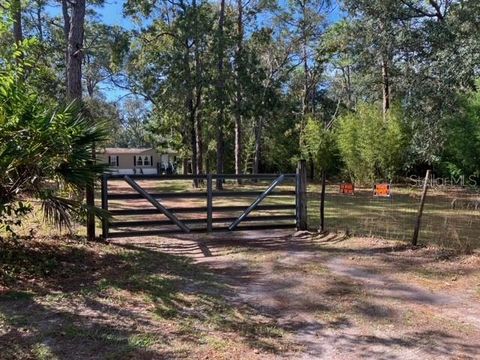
{"x":394,"y":218}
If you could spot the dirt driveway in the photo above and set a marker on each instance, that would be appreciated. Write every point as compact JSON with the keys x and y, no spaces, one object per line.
{"x":339,"y":298}
{"x":242,"y":295}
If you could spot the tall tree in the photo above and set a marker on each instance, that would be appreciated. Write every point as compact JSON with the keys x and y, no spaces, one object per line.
{"x":276,"y":61}
{"x":198,"y":90}
{"x":16,"y":13}
{"x":75,"y":22}
{"x":377,"y":25}
{"x":172,"y":69}
{"x":239,"y":95}
{"x":306,"y":20}
{"x":220,"y":94}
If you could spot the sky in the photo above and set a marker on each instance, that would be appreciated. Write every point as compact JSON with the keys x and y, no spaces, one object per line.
{"x":112,"y":14}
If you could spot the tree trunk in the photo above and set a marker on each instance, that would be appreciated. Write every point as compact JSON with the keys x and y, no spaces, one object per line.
{"x":208,"y":162}
{"x":304,"y":40}
{"x":192,"y":127}
{"x":193,"y":142}
{"x":75,"y":26}
{"x":322,"y":201}
{"x":190,"y":109}
{"x":305,"y":83}
{"x":199,"y":142}
{"x":66,"y":33}
{"x":39,"y":24}
{"x":75,"y":51}
{"x":89,"y":80}
{"x":66,"y":19}
{"x":198,"y":94}
{"x":385,"y":86}
{"x":305,"y":98}
{"x":220,"y":150}
{"x":348,"y":86}
{"x":258,"y":145}
{"x":238,"y":100}
{"x":16,"y":11}
{"x":198,"y":133}
{"x":221,"y":94}
{"x":384,"y":53}
{"x":312,"y":167}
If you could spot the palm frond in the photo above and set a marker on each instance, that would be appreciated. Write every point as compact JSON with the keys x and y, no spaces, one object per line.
{"x":59,"y":211}
{"x":99,"y":213}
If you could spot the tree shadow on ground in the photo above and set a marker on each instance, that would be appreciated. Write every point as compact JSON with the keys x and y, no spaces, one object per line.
{"x":117,"y":301}
{"x":390,"y":258}
{"x":32,"y":330}
{"x":415,"y":345}
{"x":341,"y":302}
{"x":91,"y":303}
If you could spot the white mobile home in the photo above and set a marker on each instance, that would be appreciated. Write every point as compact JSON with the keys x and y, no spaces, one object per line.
{"x":138,"y":160}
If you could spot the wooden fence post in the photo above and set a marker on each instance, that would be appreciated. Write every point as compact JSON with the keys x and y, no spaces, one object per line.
{"x":105,"y":205}
{"x":420,"y":209}
{"x":209,"y":203}
{"x":301,"y":195}
{"x":90,"y":201}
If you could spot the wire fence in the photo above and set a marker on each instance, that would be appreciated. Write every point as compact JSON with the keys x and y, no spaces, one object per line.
{"x":451,"y":216}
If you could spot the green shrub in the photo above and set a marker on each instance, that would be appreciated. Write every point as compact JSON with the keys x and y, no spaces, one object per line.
{"x":461,"y":155}
{"x":371,"y":147}
{"x":319,"y":144}
{"x":46,"y":150}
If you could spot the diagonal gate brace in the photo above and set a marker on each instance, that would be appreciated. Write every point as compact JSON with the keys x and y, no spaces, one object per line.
{"x":157,"y":205}
{"x":257,"y":201}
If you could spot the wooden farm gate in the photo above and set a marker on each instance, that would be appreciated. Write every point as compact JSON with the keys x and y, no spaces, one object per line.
{"x":133,"y":219}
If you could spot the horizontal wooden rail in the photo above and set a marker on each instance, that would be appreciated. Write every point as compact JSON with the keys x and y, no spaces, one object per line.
{"x":121,"y":234}
{"x":147,"y":223}
{"x":218,"y":194}
{"x":252,"y":176}
{"x":200,"y":209}
{"x":132,"y":196}
{"x":156,"y":177}
{"x":200,"y":177}
{"x":196,"y":195}
{"x":156,"y":204}
{"x":257,"y":201}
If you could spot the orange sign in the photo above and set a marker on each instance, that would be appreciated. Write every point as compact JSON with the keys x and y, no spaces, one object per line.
{"x":347,"y":188}
{"x":382,"y":190}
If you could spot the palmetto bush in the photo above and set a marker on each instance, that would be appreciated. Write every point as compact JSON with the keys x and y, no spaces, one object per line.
{"x":46,"y":153}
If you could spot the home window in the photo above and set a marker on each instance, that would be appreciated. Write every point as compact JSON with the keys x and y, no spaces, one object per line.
{"x":113,"y":160}
{"x":139,"y":161}
{"x":146,"y":161}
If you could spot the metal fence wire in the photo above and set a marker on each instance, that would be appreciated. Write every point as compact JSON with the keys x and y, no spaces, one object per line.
{"x":451,"y":215}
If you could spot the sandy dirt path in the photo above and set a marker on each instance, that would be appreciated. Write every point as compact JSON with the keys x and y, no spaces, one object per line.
{"x":337,"y":298}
